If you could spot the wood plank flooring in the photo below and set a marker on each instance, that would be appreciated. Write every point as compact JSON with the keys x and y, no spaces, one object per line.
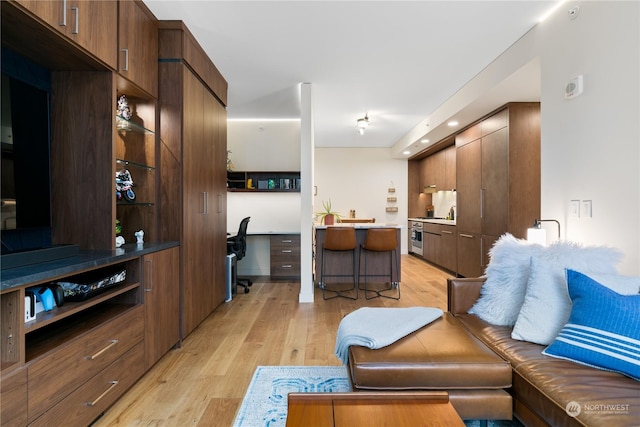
{"x":203,"y":382}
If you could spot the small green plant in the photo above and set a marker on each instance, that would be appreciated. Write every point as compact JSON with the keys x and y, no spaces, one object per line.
{"x":118,"y":227}
{"x":327,"y":215}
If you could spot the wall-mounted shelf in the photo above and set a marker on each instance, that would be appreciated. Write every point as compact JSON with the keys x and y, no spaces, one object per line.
{"x":125,"y":125}
{"x":265,"y":181}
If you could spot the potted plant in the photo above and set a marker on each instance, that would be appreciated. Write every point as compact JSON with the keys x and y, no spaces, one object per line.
{"x":327,"y":216}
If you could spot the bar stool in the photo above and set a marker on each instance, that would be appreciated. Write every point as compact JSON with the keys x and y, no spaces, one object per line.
{"x":339,"y":239}
{"x":380,"y":240}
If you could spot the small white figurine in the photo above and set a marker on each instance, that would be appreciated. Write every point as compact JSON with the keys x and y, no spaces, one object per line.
{"x":139,"y":236}
{"x":119,"y":241}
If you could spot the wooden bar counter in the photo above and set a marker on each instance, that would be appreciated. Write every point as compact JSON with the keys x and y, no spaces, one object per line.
{"x":340,"y":263}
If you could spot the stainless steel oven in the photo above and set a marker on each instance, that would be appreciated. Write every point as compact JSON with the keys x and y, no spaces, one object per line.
{"x":416,"y":238}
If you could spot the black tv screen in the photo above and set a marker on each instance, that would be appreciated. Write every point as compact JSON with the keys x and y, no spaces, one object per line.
{"x":26,"y":155}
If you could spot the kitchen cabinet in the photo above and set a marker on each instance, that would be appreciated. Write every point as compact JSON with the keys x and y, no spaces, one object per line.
{"x":138,"y":45}
{"x":193,"y":177}
{"x":497,"y":182}
{"x":438,"y":170}
{"x":449,"y":167}
{"x":161,"y":303}
{"x":91,"y":25}
{"x":285,"y":256}
{"x":447,"y":255}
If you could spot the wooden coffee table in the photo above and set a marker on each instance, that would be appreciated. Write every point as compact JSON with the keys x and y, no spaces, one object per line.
{"x":396,"y":409}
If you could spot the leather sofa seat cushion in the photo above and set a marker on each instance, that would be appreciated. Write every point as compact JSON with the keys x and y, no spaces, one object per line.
{"x":440,"y":356}
{"x":548,"y":385}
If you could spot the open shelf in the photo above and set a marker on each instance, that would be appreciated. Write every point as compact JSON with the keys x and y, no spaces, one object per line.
{"x":263,"y":181}
{"x":124,"y":125}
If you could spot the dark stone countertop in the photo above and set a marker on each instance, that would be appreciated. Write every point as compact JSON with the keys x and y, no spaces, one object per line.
{"x":41,"y":272}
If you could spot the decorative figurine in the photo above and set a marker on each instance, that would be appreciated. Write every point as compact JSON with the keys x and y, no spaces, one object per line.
{"x":123,"y":108}
{"x":119,"y":241}
{"x":139,"y":236}
{"x":124,"y":184}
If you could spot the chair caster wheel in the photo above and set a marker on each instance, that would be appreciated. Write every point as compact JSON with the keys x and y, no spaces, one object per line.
{"x":246,"y":290}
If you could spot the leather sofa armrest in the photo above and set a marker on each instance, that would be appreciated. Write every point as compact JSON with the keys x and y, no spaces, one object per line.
{"x":462,"y":293}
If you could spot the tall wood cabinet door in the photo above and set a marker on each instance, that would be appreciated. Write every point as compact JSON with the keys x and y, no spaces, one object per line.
{"x":161,"y":303}
{"x":138,"y":45}
{"x":53,"y":12}
{"x":216,"y":135}
{"x":495,"y":183}
{"x":450,"y":168}
{"x":194,"y":238}
{"x":468,"y":169}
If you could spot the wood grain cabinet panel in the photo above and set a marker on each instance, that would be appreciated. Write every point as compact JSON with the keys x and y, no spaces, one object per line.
{"x":91,"y":399}
{"x":13,"y":395}
{"x":91,"y":24}
{"x":497,"y":181}
{"x":81,"y":359}
{"x":285,"y":256}
{"x":138,"y":45}
{"x":161,"y":303}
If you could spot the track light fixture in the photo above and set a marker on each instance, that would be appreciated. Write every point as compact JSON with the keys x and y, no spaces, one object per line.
{"x":363,"y":123}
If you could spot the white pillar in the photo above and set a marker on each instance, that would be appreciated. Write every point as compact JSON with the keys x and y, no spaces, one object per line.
{"x":306,"y":194}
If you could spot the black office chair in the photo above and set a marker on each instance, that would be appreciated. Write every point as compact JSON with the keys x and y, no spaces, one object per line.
{"x":238,"y":245}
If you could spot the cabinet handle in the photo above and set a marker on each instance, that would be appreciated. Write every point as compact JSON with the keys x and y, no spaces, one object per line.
{"x":126,"y":59}
{"x":481,"y":203}
{"x":286,"y":266}
{"x":481,"y":254}
{"x":76,"y":9}
{"x":95,"y":356}
{"x":149,"y":275}
{"x":287,"y":241}
{"x":468,"y":236}
{"x":64,"y":14}
{"x":286,"y":251}
{"x":205,"y":202}
{"x":220,"y":203}
{"x":104,"y":393}
{"x":446,"y":232}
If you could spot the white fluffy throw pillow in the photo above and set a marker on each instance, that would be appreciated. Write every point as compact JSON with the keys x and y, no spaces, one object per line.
{"x":503,"y":292}
{"x":547,"y":304}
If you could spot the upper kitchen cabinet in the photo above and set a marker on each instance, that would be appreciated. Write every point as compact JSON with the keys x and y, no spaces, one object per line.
{"x":92,"y":25}
{"x":438,"y":170}
{"x":498,"y":182}
{"x":138,"y":45}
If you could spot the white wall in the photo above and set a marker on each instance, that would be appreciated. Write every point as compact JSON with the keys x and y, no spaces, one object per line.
{"x":359,"y":178}
{"x":591,"y":144}
{"x":262,"y":145}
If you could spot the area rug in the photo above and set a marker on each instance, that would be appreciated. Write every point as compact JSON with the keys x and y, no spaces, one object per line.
{"x":265,"y":402}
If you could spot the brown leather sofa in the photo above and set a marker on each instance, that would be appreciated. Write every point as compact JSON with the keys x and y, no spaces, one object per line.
{"x":458,"y":353}
{"x":544,"y":387}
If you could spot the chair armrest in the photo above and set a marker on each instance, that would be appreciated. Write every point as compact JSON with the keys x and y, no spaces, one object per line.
{"x":462,"y":293}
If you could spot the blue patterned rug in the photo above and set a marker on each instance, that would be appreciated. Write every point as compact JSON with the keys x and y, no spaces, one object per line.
{"x":265,"y":403}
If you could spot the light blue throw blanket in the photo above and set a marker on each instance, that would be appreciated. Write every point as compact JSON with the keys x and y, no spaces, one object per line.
{"x":377,"y":327}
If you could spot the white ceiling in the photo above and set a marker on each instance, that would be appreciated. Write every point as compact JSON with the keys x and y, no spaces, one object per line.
{"x":398,"y":61}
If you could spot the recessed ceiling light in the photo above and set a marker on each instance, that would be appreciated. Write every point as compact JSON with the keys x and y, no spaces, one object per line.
{"x":452,"y":123}
{"x":424,"y":141}
{"x":406,"y":152}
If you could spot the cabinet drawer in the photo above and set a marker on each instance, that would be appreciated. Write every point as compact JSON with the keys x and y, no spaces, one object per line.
{"x":60,"y":372}
{"x":86,"y":403}
{"x":286,"y":241}
{"x":285,"y":269}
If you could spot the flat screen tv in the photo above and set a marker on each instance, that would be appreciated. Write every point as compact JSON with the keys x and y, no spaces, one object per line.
{"x":26,"y":155}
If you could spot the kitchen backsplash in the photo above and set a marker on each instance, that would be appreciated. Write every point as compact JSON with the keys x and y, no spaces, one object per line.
{"x":442,"y":203}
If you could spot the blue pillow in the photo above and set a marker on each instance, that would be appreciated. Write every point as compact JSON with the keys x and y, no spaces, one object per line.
{"x":603,"y":330}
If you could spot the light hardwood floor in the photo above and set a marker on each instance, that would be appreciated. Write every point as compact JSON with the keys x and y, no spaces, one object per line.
{"x":203,"y":382}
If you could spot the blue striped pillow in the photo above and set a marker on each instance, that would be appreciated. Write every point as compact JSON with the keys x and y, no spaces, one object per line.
{"x":603,"y":330}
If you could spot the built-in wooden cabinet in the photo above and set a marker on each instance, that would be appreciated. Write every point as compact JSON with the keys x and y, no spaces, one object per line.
{"x":161,"y":303}
{"x":91,"y":25}
{"x":285,"y":256}
{"x":193,"y":161}
{"x":438,"y":170}
{"x":137,"y":45}
{"x":498,"y":182}
{"x":271,"y":181}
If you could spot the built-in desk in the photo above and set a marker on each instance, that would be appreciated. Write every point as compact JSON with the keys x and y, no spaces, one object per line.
{"x":341,"y":262}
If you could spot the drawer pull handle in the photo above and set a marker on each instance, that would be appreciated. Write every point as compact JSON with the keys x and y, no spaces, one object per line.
{"x":286,"y":251}
{"x":286,"y":266}
{"x":287,"y":241}
{"x":104,"y":393}
{"x":446,"y":232}
{"x":468,"y":236}
{"x":95,"y":356}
